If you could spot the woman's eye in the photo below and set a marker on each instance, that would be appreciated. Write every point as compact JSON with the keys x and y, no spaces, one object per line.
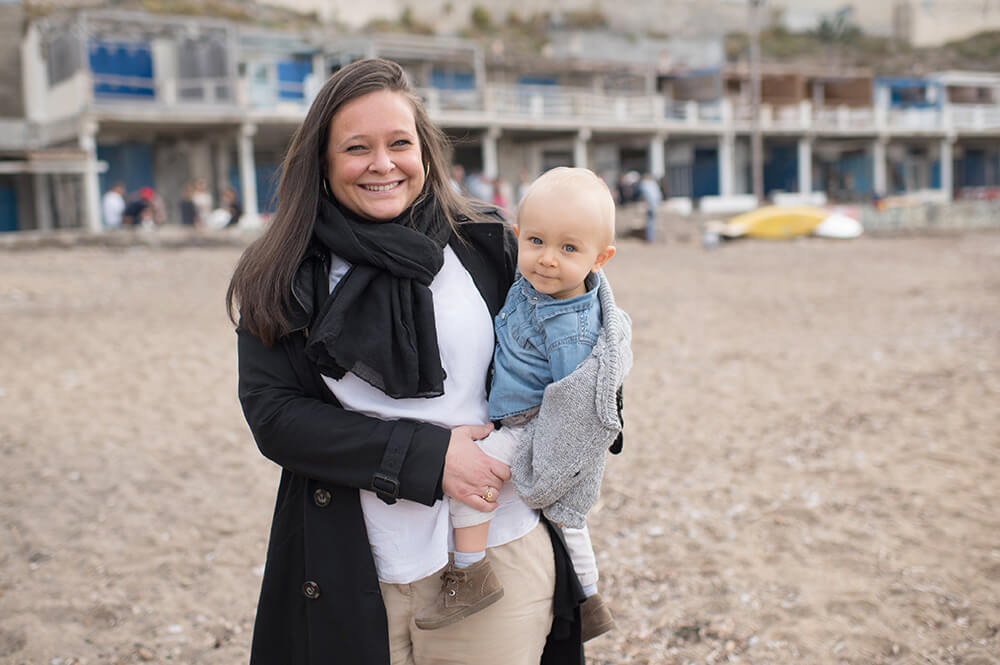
{"x":355,"y":148}
{"x":402,"y":143}
{"x":569,"y":248}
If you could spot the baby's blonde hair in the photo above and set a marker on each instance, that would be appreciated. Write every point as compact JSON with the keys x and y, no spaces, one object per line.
{"x":576,"y":180}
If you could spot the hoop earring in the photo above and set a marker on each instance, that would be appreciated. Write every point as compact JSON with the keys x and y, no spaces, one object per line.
{"x":326,"y":188}
{"x":427,"y":170}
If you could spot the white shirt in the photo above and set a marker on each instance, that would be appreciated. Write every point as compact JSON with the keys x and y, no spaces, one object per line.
{"x":114,"y":205}
{"x":409,"y":540}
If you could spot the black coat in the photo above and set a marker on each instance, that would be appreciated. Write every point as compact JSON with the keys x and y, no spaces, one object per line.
{"x":320,"y":601}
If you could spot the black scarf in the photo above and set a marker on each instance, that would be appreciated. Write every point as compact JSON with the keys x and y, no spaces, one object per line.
{"x":378,"y":322}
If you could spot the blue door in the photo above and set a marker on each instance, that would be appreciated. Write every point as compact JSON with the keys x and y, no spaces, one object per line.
{"x":8,"y":206}
{"x":705,"y":173}
{"x":267,"y":175}
{"x":131,"y":163}
{"x":781,"y":169}
{"x":973,"y":168}
{"x":855,"y":172}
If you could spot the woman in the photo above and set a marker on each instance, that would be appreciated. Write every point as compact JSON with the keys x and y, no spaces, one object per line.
{"x":365,"y":338}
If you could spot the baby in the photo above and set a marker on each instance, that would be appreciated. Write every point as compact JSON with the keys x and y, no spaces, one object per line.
{"x":554,"y":315}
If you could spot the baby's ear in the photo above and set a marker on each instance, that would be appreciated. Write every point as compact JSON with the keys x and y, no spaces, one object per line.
{"x":603,"y":258}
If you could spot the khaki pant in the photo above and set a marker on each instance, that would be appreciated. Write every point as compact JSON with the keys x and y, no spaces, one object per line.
{"x":511,"y":631}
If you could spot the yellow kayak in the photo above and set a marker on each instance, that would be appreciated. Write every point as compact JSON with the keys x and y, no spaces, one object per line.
{"x":777,"y":222}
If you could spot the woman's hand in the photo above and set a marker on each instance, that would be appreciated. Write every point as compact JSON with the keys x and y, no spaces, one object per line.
{"x":469,"y":473}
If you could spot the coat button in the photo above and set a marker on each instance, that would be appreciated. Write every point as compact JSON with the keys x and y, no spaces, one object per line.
{"x":310,"y":590}
{"x":321,"y":497}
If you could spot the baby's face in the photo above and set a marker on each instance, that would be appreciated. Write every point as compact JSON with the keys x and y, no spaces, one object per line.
{"x":560,"y":242}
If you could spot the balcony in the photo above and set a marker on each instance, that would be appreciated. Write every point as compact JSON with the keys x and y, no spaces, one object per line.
{"x":916,"y":119}
{"x":975,"y":117}
{"x":559,"y":106}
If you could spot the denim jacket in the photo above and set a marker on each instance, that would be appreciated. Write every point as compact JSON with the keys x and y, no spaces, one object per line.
{"x":540,"y":340}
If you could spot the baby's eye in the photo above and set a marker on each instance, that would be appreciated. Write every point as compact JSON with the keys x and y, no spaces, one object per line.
{"x":535,"y":241}
{"x":569,"y":248}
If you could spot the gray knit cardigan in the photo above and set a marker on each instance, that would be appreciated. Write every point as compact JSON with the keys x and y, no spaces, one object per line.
{"x":559,"y":462}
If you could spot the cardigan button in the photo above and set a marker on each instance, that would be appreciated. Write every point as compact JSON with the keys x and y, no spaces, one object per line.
{"x":321,"y":498}
{"x":310,"y":590}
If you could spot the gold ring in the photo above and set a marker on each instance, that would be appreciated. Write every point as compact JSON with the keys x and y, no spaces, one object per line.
{"x":489,"y":494}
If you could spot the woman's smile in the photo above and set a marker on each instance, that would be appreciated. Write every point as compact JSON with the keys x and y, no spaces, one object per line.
{"x":383,"y":188}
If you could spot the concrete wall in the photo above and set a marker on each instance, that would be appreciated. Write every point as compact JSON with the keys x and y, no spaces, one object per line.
{"x":958,"y":216}
{"x":11,"y":27}
{"x":176,"y":162}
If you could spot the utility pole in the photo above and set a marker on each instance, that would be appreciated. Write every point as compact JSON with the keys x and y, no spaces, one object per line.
{"x":756,"y":140}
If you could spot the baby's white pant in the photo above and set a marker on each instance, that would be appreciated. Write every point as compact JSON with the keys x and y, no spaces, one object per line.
{"x":581,"y":553}
{"x":500,"y":444}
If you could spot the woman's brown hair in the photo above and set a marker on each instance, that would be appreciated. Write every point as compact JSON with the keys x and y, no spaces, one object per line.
{"x":261,"y":284}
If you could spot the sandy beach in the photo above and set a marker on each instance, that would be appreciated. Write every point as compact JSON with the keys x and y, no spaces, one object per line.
{"x":811,"y":471}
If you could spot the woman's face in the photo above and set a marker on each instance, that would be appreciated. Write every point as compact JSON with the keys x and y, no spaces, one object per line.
{"x":374,"y":165}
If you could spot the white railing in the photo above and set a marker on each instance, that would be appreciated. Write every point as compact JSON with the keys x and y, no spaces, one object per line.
{"x":205,"y":90}
{"x":138,"y":89}
{"x":14,"y":134}
{"x":694,"y":113}
{"x":975,"y":116}
{"x":556,"y":104}
{"x":844,"y":118}
{"x":710,"y":112}
{"x":562,"y":104}
{"x":918,"y":119}
{"x":452,"y":100}
{"x":164,"y":93}
{"x":860,"y":118}
{"x":681,"y":111}
{"x":787,"y":117}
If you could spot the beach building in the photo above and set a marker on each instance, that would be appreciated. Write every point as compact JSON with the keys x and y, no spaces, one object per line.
{"x":103,"y":96}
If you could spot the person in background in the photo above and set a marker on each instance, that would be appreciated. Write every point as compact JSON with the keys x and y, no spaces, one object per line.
{"x":202,"y":200}
{"x":113,"y":205}
{"x":231,"y":202}
{"x":458,"y":178}
{"x":480,"y":187}
{"x":650,"y":192}
{"x":139,"y":211}
{"x":501,"y":195}
{"x":158,"y":207}
{"x":189,"y":212}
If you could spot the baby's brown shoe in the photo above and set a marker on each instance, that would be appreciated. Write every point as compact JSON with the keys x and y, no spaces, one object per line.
{"x":464,"y":591}
{"x":595,"y":618}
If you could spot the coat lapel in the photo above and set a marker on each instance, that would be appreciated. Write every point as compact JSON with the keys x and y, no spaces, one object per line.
{"x":487,"y":250}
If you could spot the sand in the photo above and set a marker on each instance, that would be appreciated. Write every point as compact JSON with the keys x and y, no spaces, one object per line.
{"x":810,"y":471}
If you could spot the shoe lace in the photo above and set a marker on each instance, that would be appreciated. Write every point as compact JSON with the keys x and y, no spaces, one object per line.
{"x":454,"y":576}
